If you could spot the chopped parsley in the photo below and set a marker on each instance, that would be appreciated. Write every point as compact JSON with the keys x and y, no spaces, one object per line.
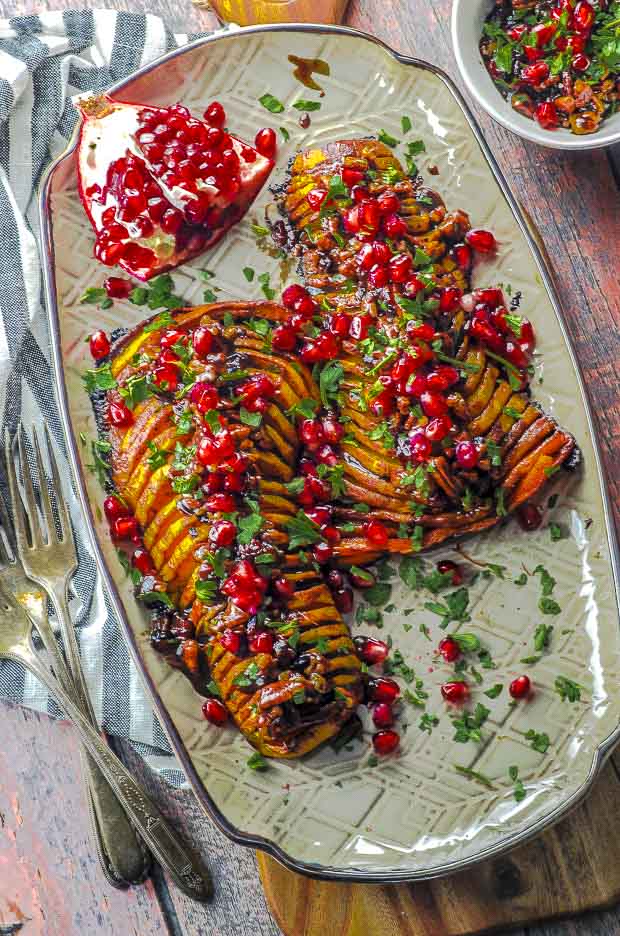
{"x":271,"y":103}
{"x":539,"y":740}
{"x":567,"y":690}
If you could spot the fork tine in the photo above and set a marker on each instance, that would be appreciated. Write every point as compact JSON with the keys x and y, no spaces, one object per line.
{"x":30,"y":500}
{"x":61,"y":505}
{"x":16,"y":501}
{"x":46,"y":504}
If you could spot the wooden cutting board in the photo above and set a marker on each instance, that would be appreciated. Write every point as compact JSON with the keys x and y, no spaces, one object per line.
{"x":573,"y":867}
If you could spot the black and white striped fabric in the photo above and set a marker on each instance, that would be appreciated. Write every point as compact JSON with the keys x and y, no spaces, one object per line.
{"x":44,"y":61}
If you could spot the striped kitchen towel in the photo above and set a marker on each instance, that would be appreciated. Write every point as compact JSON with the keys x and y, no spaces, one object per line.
{"x":44,"y":61}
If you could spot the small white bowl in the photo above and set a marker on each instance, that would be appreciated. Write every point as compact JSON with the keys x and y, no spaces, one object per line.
{"x":467,"y":19}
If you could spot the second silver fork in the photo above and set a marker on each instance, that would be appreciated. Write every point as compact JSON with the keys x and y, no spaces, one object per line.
{"x":50,"y":560}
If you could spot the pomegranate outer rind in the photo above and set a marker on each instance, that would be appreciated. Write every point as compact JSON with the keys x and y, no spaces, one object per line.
{"x":95,"y":109}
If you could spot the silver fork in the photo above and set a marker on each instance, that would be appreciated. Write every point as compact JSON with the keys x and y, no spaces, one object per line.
{"x":122,"y":857}
{"x":50,"y":560}
{"x":16,"y":644}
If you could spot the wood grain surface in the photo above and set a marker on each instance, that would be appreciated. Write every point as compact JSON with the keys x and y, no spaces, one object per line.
{"x":50,"y":885}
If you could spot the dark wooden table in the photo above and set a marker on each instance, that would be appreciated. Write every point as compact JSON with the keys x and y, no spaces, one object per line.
{"x":49,"y":880}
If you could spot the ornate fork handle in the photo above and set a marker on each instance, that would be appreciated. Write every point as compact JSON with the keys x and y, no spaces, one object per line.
{"x":148,"y":820}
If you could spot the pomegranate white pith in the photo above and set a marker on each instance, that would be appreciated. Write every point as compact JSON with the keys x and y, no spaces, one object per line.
{"x":160,"y":186}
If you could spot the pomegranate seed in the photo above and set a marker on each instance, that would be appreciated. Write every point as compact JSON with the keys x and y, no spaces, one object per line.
{"x":367,"y":580}
{"x":382,"y":715}
{"x":529,"y":517}
{"x":449,"y":649}
{"x":166,"y":376}
{"x":339,"y":324}
{"x":547,"y":115}
{"x":124,"y":528}
{"x":222,"y":533}
{"x":292,"y":294}
{"x":536,"y":73}
{"x":311,"y":433}
{"x":371,"y":650}
{"x":202,"y":341}
{"x":323,"y":348}
{"x":343,"y":599}
{"x":204,"y":396}
{"x":383,"y":689}
{"x":109,"y":254}
{"x":420,"y":446}
{"x":172,"y":337}
{"x":378,"y":276}
{"x":113,"y":508}
{"x":490,"y":297}
{"x":385,"y":742}
{"x":394,"y":227}
{"x":400,"y":268}
{"x":388,"y":203}
{"x":481,"y":241}
{"x":455,"y":692}
{"x":322,"y":552}
{"x":306,"y":307}
{"x":221,"y":503}
{"x":262,"y":643}
{"x":99,"y":345}
{"x":467,"y":454}
{"x":360,"y":194}
{"x":577,"y":43}
{"x":580,"y":62}
{"x":231,"y":641}
{"x":584,"y":16}
{"x":424,"y":331}
{"x":449,"y":299}
{"x":433,"y":404}
{"x":351,"y":220}
{"x":359,"y":326}
{"x":442,"y":377}
{"x":376,"y":533}
{"x":543,"y":33}
{"x":516,"y":33}
{"x":119,"y":414}
{"x":438,"y":428}
{"x":215,"y":115}
{"x":265,"y":142}
{"x":142,"y":562}
{"x":461,"y":254}
{"x":283,"y":587}
{"x":117,"y":287}
{"x":352,"y":177}
{"x":284,"y":338}
{"x":520,"y":687}
{"x":316,"y":197}
{"x":215,"y":712}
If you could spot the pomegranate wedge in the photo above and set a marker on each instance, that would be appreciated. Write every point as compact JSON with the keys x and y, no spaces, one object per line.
{"x":160,"y":186}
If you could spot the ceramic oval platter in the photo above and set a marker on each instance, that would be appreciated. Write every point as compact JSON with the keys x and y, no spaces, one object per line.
{"x":440,"y":804}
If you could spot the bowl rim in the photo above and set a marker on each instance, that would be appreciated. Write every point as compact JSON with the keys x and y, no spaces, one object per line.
{"x":239,"y":836}
{"x":500,"y":110}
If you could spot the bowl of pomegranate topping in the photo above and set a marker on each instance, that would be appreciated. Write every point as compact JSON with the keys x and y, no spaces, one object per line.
{"x":547,"y":69}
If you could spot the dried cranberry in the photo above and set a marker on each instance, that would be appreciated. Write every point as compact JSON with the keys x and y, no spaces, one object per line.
{"x":215,"y":712}
{"x":99,"y":345}
{"x":520,"y":687}
{"x":385,"y":742}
